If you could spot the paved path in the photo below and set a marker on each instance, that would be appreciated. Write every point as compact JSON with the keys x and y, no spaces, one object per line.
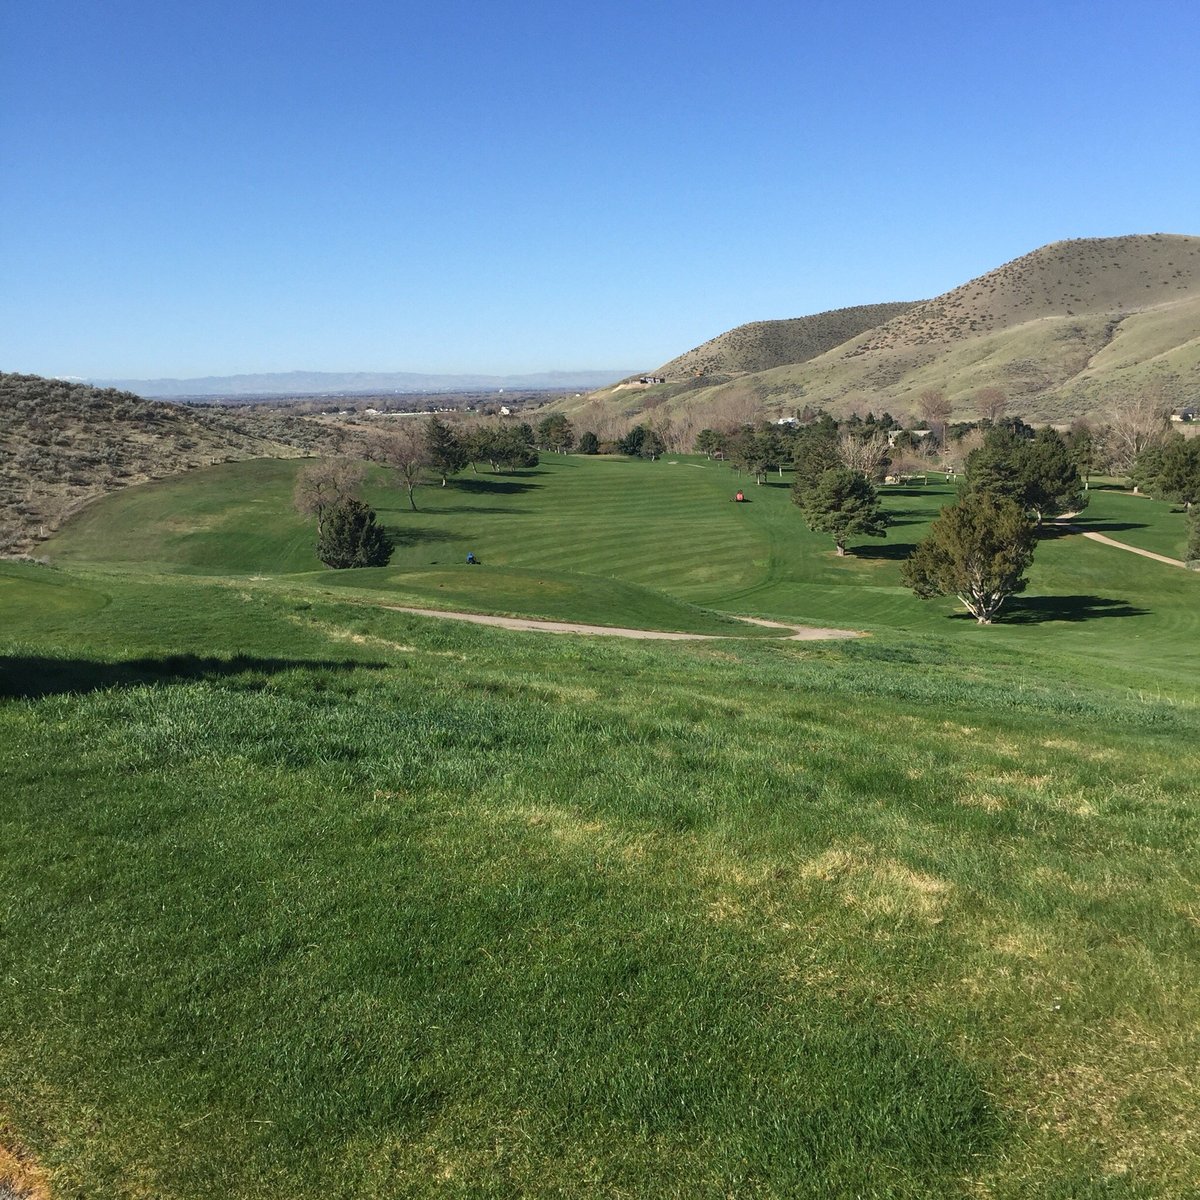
{"x":799,"y":633}
{"x":1162,"y":558}
{"x":1065,"y":522}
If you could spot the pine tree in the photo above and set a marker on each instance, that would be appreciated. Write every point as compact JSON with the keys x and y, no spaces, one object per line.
{"x":844,"y":504}
{"x":350,"y":538}
{"x":978,"y":550}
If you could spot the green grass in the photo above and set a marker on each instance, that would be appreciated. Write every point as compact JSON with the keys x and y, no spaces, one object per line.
{"x":303,"y":896}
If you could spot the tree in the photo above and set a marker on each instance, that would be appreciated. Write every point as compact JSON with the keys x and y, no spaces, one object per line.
{"x":1039,"y":474}
{"x":503,"y":446}
{"x":350,"y":538}
{"x":935,"y":411}
{"x":995,"y":468}
{"x":642,"y":442}
{"x":991,"y":403}
{"x":321,"y":485}
{"x":1051,"y":476}
{"x":1179,"y":471}
{"x":978,"y":549}
{"x":555,"y":433}
{"x":405,"y":451}
{"x":757,"y":451}
{"x":814,"y":451}
{"x":589,"y":443}
{"x":844,"y":504}
{"x":1135,"y":423}
{"x":1087,"y":450}
{"x":864,"y":452}
{"x":1192,"y":556}
{"x":444,"y":448}
{"x":709,"y":443}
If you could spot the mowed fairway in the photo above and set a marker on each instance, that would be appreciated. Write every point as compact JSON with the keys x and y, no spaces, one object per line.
{"x":307,"y":897}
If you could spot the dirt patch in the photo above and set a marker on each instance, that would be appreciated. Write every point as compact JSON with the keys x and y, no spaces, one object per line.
{"x":799,"y":633}
{"x":20,"y":1177}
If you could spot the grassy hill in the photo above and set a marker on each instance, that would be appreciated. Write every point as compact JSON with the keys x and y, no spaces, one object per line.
{"x":62,"y":444}
{"x":1064,"y":331}
{"x":306,"y":896}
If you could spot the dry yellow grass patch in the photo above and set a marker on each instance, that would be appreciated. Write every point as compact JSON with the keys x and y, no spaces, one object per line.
{"x":1134,"y":1099}
{"x":337,"y":634}
{"x":880,"y":886}
{"x":20,"y":1177}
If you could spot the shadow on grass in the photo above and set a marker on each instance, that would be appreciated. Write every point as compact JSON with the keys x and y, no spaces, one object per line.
{"x":892,"y":551}
{"x":30,"y":677}
{"x":495,"y":486}
{"x":1052,"y":531}
{"x":406,"y":535}
{"x":443,"y":509}
{"x":1035,"y":610}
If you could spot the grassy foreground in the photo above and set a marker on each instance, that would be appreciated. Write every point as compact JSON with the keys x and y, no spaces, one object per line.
{"x":306,"y":897}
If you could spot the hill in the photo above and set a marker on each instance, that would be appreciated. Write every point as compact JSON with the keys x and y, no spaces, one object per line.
{"x":1063,"y":331}
{"x":764,"y":345}
{"x":62,"y":444}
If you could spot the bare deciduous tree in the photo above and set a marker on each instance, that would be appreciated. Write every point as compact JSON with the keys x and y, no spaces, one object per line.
{"x":863,"y":455}
{"x":991,"y":403}
{"x":405,"y":451}
{"x":321,"y":485}
{"x":935,"y":411}
{"x":1135,"y":423}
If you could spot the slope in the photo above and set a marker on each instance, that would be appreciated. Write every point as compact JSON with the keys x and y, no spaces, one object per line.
{"x":1064,"y":331}
{"x":62,"y":444}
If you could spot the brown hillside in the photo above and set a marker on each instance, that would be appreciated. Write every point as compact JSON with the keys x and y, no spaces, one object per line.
{"x":62,"y":444}
{"x":1063,"y":331}
{"x":764,"y":345}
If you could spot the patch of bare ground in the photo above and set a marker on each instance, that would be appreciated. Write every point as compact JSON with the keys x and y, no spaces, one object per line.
{"x":800,"y":633}
{"x":21,"y":1178}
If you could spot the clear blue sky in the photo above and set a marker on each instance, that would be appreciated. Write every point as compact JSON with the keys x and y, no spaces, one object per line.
{"x":216,"y":187}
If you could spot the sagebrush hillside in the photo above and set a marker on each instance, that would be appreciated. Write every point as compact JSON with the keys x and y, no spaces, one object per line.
{"x":764,"y":345}
{"x":62,"y":444}
{"x":1064,"y":332}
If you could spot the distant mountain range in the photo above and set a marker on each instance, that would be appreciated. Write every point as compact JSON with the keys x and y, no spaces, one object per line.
{"x":1063,"y":332}
{"x":361,"y":383}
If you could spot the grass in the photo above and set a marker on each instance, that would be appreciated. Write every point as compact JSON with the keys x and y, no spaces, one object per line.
{"x":308,"y":897}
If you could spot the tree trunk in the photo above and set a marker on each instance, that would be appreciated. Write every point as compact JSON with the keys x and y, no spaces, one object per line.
{"x":841,"y":549}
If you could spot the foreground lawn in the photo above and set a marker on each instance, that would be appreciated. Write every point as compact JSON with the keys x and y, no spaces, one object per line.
{"x":391,"y":907}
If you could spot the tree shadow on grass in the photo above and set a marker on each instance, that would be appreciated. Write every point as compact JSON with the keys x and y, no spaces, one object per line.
{"x":891,"y":551}
{"x":407,"y":535}
{"x":494,"y":486}
{"x":1051,"y":531}
{"x":1036,"y":610}
{"x":496,"y":509}
{"x":33,"y":677}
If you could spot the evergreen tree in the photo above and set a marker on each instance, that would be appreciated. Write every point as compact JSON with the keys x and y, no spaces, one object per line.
{"x":350,"y":538}
{"x":978,"y":549}
{"x":589,"y":443}
{"x":842,"y":503}
{"x":444,"y":448}
{"x":1179,"y":471}
{"x":1052,"y":485}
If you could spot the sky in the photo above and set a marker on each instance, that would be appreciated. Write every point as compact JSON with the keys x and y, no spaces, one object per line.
{"x":221,"y":187}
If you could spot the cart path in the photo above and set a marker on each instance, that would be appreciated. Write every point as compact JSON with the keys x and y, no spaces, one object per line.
{"x":798,"y":633}
{"x":1104,"y":539}
{"x":1162,"y":558}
